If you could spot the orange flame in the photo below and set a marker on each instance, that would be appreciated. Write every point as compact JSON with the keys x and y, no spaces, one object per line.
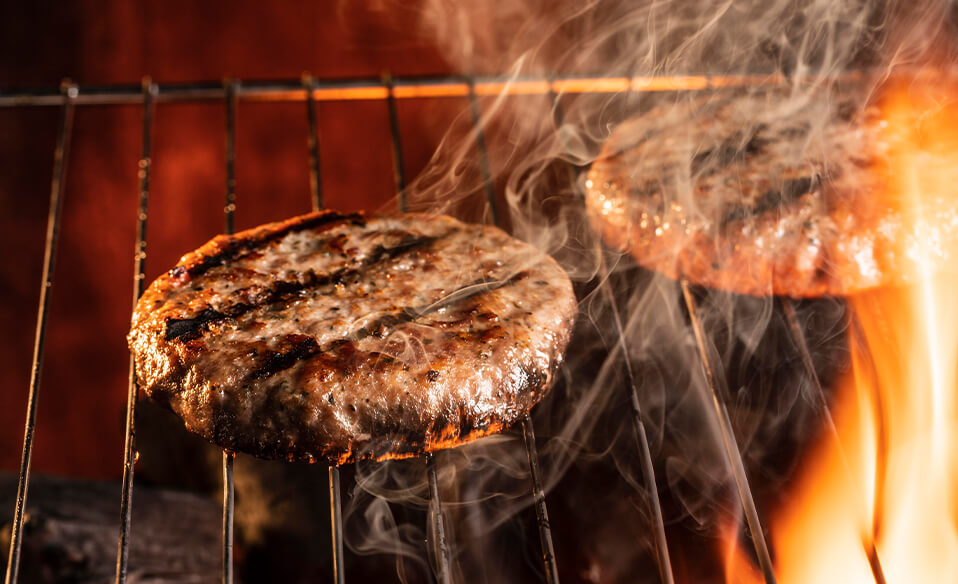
{"x":888,"y":481}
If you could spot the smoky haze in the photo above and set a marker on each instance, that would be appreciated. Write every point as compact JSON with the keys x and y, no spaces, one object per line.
{"x":539,"y":148}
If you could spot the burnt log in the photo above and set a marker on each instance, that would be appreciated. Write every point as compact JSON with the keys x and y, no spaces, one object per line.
{"x":71,"y":527}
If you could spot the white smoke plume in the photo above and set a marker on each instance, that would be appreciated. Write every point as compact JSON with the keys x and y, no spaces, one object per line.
{"x":539,"y":146}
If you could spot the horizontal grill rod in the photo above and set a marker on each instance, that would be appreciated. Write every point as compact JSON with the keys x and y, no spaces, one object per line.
{"x":60,"y":157}
{"x":402,"y":88}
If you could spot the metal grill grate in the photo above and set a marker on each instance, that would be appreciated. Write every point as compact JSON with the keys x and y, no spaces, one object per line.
{"x":388,"y":90}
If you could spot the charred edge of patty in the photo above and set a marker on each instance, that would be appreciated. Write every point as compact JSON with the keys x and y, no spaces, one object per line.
{"x":228,"y":248}
{"x":191,"y":328}
{"x":390,"y":437}
{"x":390,"y":440}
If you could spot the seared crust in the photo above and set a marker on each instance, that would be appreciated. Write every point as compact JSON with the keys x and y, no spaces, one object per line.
{"x":759,"y":194}
{"x":346,"y":337}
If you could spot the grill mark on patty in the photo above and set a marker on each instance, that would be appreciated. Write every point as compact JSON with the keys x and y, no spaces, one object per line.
{"x":412,"y":313}
{"x":191,"y":328}
{"x":733,"y":148}
{"x":791,"y":189}
{"x":237,"y":249}
{"x":294,"y":348}
{"x":184,"y":327}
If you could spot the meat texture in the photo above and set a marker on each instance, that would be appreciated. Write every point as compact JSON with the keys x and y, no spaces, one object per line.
{"x":762,"y":192}
{"x":347,"y":337}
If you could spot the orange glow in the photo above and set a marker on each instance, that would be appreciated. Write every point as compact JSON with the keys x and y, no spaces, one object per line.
{"x":889,"y":479}
{"x":675,"y":83}
{"x":542,"y":87}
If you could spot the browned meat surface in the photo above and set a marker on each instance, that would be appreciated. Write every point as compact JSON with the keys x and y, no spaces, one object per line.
{"x":347,"y":337}
{"x":762,"y":193}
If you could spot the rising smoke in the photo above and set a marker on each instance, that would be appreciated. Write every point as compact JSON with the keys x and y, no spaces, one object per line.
{"x":539,"y":147}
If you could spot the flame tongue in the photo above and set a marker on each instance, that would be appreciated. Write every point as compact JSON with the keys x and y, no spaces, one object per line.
{"x":890,"y":477}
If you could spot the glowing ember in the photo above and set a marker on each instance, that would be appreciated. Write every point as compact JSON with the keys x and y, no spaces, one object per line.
{"x":889,"y":480}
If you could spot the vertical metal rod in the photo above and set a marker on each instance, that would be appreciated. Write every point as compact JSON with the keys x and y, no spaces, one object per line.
{"x":663,"y":558}
{"x":874,"y":562}
{"x":60,"y":158}
{"x":484,"y":166}
{"x":539,"y":496}
{"x":881,"y":460}
{"x":315,"y":185}
{"x":139,"y":259}
{"x":439,"y":531}
{"x":641,"y":435}
{"x":228,"y":505}
{"x":229,"y":209}
{"x":335,"y":494}
{"x":729,"y":443}
{"x":798,"y":335}
{"x":336,"y":525}
{"x":438,"y":525}
{"x":398,"y":165}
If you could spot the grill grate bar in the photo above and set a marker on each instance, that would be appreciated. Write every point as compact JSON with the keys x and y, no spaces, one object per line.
{"x":403,"y":88}
{"x":229,"y":209}
{"x":663,"y":558}
{"x":336,"y":525}
{"x":798,"y":336}
{"x":483,"y":150}
{"x":399,"y":168}
{"x":139,"y":259}
{"x":539,"y":496}
{"x":316,"y":192}
{"x":438,"y":523}
{"x":228,"y":506}
{"x":68,"y":94}
{"x":728,"y":441}
{"x":435,"y":504}
{"x":641,"y":436}
{"x":315,"y":184}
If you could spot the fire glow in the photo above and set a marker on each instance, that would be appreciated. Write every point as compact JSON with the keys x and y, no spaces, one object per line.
{"x":881,"y":490}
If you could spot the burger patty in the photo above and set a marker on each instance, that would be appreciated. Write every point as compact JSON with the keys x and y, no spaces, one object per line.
{"x":348,"y":337}
{"x":760,"y":193}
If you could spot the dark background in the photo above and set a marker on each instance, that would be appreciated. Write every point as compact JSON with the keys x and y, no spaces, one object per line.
{"x":84,"y":376}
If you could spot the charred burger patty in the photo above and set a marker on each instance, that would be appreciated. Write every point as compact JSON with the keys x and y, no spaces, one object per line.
{"x":765,"y":192}
{"x":346,"y":336}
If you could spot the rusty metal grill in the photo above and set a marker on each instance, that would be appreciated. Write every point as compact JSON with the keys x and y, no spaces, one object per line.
{"x":387,"y":90}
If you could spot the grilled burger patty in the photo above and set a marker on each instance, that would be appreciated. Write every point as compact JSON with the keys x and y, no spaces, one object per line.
{"x":758,"y":194}
{"x":349,"y":337}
